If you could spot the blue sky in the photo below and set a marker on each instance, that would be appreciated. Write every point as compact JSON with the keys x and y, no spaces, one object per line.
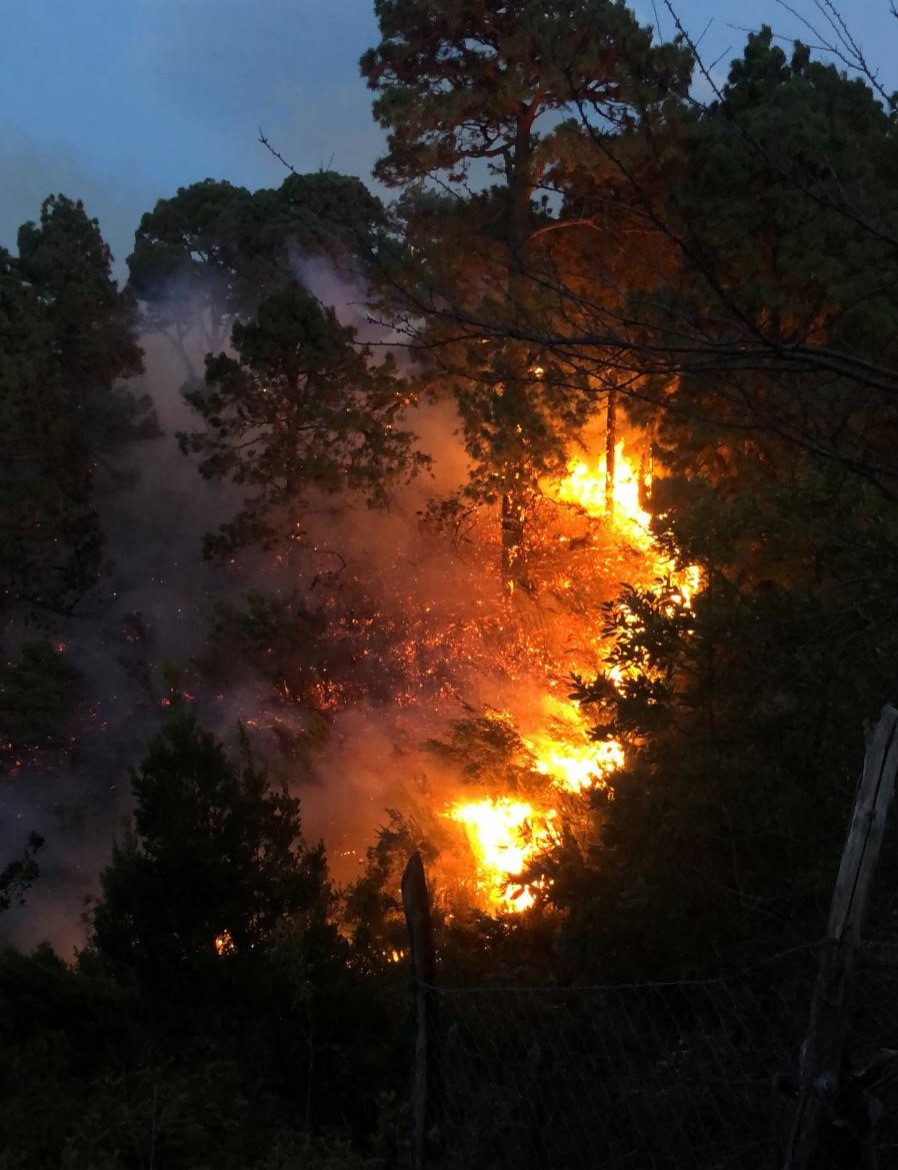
{"x":120,"y":102}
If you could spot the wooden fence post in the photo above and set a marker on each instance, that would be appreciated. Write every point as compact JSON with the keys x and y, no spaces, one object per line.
{"x":426,"y":1083}
{"x":821,"y":1071}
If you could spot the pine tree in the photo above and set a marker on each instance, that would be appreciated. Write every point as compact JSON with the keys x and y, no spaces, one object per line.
{"x":301,"y":408}
{"x":473,"y":91}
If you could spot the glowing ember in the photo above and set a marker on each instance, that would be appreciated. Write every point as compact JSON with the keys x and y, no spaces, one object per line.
{"x":505,"y":836}
{"x":224,"y":944}
{"x":433,"y":640}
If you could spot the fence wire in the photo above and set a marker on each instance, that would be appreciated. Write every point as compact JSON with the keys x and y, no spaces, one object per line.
{"x":654,"y":1076}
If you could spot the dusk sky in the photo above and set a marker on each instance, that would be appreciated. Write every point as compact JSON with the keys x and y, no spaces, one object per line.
{"x":120,"y":102}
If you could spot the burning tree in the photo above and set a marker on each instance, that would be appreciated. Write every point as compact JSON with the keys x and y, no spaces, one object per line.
{"x":487,"y":91}
{"x":759,"y":359}
{"x":544,"y":299}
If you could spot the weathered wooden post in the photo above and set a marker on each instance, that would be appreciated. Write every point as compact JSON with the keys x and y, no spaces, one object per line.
{"x":821,"y":1080}
{"x":426,"y":1082}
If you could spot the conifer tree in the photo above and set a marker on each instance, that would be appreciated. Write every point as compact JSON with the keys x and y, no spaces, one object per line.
{"x":67,"y":338}
{"x":473,"y":91}
{"x":208,"y":255}
{"x":215,"y":860}
{"x":301,"y":408}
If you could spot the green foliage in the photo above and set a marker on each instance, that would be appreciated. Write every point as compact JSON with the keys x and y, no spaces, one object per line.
{"x":458,"y":82}
{"x":742,"y":719}
{"x":37,"y":691}
{"x":216,"y":918}
{"x":220,"y":1016}
{"x":57,"y":1028}
{"x":67,"y":335}
{"x":779,"y":199}
{"x":328,"y":214}
{"x":87,"y":1082}
{"x":511,"y":94}
{"x":218,"y":830}
{"x":67,"y":264}
{"x":300,"y":408}
{"x":211,"y":253}
{"x":18,"y":876}
{"x":742,"y":712}
{"x":49,"y":534}
{"x":800,"y":144}
{"x":648,"y":630}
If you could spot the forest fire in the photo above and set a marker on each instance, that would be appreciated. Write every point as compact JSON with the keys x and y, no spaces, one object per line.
{"x":527,"y":515}
{"x":574,"y":769}
{"x":507,"y":834}
{"x":589,"y":488}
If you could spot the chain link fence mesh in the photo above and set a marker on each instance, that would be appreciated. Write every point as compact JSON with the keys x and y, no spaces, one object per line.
{"x":653,"y":1076}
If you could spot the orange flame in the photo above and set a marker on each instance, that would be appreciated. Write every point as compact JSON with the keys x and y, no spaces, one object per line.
{"x":224,"y":944}
{"x":586,"y":486}
{"x":564,"y":752}
{"x":506,"y":835}
{"x":574,"y":768}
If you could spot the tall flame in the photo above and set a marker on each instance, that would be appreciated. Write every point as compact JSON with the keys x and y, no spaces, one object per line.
{"x":507,"y":834}
{"x":587,"y":487}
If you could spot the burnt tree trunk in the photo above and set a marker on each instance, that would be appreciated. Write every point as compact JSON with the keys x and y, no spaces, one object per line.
{"x":514,"y":532}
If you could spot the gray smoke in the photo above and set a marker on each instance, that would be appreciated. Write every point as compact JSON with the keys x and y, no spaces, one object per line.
{"x":153,"y":606}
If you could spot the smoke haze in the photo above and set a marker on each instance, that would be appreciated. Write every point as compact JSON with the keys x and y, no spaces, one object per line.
{"x":409,"y":596}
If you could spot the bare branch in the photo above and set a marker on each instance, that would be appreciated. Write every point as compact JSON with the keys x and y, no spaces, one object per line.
{"x":265,"y":142}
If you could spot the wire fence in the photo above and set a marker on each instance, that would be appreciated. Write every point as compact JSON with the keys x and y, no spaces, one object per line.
{"x":662,"y":1075}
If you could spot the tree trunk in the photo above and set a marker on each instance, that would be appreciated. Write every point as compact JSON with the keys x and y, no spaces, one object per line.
{"x":514,"y":529}
{"x":519,"y":177}
{"x":610,"y":452}
{"x":646,"y":470}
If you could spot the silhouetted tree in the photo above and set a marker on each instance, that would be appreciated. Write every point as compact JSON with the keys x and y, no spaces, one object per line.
{"x":67,"y":337}
{"x":484,"y":91}
{"x":207,"y":256}
{"x":215,"y":860}
{"x":301,"y":408}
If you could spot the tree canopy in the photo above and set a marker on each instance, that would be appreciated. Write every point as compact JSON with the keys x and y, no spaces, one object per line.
{"x":205,"y":257}
{"x":515,"y":90}
{"x":217,"y":829}
{"x":67,"y":337}
{"x":301,"y":408}
{"x":628,"y":772}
